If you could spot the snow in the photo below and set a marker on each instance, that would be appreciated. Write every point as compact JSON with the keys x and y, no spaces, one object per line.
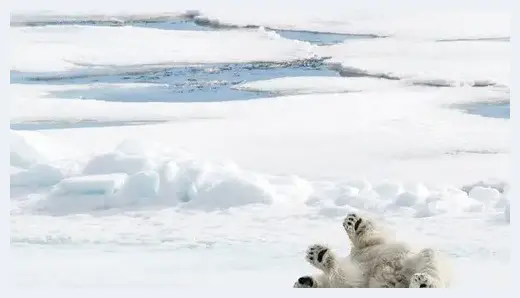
{"x":116,"y":162}
{"x":407,"y":199}
{"x":82,"y":50}
{"x":372,"y":126}
{"x":486,"y":195}
{"x":389,"y":189}
{"x":143,"y":184}
{"x":506,"y":213}
{"x":94,"y":184}
{"x":143,"y":179}
{"x":213,"y":191}
{"x":229,"y":192}
{"x":132,"y":177}
{"x":77,"y":194}
{"x":309,"y":85}
{"x":37,"y":175}
{"x":22,"y":153}
{"x":405,"y":22}
{"x":31,"y":148}
{"x":428,"y":62}
{"x":403,"y":19}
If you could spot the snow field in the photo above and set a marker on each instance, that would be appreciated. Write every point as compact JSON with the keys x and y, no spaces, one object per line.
{"x":187,"y":268}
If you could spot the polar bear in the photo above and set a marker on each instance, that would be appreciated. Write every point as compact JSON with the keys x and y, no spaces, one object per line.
{"x":375,"y":261}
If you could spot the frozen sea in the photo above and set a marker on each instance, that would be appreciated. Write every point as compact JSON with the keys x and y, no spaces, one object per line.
{"x":160,"y":144}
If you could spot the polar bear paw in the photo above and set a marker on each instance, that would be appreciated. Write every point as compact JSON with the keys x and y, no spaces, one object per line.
{"x":356,"y":226}
{"x":305,"y":282}
{"x":321,"y":257}
{"x":421,"y":280}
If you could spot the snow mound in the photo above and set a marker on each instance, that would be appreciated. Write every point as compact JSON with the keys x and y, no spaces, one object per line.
{"x":139,"y":175}
{"x":432,"y":209}
{"x":349,"y":193}
{"x":205,"y":186}
{"x":389,"y":190}
{"x":117,"y":162}
{"x":360,"y":184}
{"x":418,"y":189}
{"x":407,"y":199}
{"x":29,"y":148}
{"x":24,"y":152}
{"x":448,"y":200}
{"x":291,"y":189}
{"x":122,"y":180}
{"x":227,"y":189}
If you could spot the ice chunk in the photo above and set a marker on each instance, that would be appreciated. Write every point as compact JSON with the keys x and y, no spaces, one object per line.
{"x":486,"y":195}
{"x":90,"y":185}
{"x":141,"y":184}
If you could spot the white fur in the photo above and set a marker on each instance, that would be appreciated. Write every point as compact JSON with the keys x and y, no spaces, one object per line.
{"x":428,"y":269}
{"x":375,"y":261}
{"x":378,"y":255}
{"x":336,"y":273}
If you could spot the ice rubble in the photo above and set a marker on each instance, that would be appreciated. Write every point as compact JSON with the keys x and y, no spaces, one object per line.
{"x":131,"y":177}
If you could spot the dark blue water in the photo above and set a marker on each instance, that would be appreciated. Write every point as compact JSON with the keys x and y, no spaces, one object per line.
{"x":204,"y":83}
{"x":320,"y":38}
{"x":210,"y":82}
{"x":492,"y":110}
